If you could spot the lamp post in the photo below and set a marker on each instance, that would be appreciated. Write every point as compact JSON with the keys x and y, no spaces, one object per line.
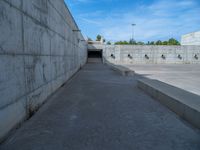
{"x":133,"y":31}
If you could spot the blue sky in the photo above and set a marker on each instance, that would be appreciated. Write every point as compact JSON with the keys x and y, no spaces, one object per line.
{"x":154,"y":19}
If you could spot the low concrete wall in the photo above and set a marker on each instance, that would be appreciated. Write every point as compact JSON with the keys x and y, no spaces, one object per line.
{"x":39,"y":51}
{"x":183,"y":103}
{"x":127,"y":54}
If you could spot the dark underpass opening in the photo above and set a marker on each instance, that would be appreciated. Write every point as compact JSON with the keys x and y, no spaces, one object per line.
{"x":95,"y":56}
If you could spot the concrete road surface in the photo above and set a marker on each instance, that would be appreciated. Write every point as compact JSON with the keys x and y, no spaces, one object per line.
{"x":101,"y":110}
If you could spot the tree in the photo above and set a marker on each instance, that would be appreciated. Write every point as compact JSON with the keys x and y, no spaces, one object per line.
{"x":140,"y":43}
{"x":165,"y":43}
{"x":159,"y":42}
{"x":148,"y":43}
{"x":173,"y":41}
{"x":108,"y":43}
{"x":122,"y":43}
{"x":132,"y":42}
{"x":98,"y":38}
{"x":152,"y":43}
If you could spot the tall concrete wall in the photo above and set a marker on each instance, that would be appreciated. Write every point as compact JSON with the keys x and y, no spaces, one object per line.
{"x":127,"y":54}
{"x":39,"y":51}
{"x":191,"y":39}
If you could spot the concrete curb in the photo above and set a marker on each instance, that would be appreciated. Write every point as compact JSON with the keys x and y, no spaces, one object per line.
{"x":123,"y":71}
{"x":183,"y":103}
{"x":120,"y":69}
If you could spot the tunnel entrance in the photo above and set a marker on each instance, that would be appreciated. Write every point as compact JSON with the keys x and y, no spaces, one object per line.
{"x":95,"y":56}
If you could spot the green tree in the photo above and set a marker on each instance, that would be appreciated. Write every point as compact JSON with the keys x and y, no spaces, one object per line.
{"x":173,"y":41}
{"x":122,"y":43}
{"x":148,"y":43}
{"x":108,"y":43}
{"x":159,"y":42}
{"x":132,"y":42}
{"x":165,"y":43}
{"x":152,"y":43}
{"x":98,"y":38}
{"x":140,"y":43}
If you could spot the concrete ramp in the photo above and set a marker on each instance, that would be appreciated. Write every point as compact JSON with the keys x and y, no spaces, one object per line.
{"x":99,"y":109}
{"x":94,"y":60}
{"x":183,"y":103}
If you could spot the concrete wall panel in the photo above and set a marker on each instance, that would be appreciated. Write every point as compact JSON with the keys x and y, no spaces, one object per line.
{"x":37,"y":9}
{"x":12,"y":86}
{"x":151,"y":54}
{"x":37,"y":71}
{"x":12,"y":115}
{"x":37,"y":39}
{"x":10,"y":29}
{"x":15,"y":3}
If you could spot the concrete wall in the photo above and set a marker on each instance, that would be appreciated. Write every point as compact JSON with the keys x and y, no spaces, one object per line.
{"x":191,"y":39}
{"x":39,"y":51}
{"x":127,"y":54}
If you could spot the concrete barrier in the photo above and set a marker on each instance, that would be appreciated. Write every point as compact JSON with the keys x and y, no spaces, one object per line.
{"x":149,"y":54}
{"x":183,"y":103}
{"x":121,"y":69}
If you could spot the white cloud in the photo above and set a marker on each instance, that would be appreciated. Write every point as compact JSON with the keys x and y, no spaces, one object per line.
{"x":160,"y":20}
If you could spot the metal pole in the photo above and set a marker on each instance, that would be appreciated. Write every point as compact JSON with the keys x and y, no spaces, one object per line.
{"x":133,"y":31}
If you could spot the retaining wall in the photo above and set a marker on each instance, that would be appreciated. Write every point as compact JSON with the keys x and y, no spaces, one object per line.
{"x":127,"y":54}
{"x":39,"y":51}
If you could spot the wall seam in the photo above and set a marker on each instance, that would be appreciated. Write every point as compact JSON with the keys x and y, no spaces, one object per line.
{"x":24,"y":63}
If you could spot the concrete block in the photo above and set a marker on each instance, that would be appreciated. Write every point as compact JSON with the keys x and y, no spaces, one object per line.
{"x":57,"y":83}
{"x":56,"y":68}
{"x":36,"y":98}
{"x":37,"y":71}
{"x":65,"y":64}
{"x":37,"y":39}
{"x":59,"y":6}
{"x":38,"y":9}
{"x":16,"y":3}
{"x":68,"y":33}
{"x":183,"y":103}
{"x":12,"y":86}
{"x":11,"y":116}
{"x":10,"y":29}
{"x":56,"y":22}
{"x":121,"y":70}
{"x":57,"y":45}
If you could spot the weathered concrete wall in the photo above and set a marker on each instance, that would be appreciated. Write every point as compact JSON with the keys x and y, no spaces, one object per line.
{"x":39,"y":51}
{"x":191,"y":39}
{"x":128,"y":54}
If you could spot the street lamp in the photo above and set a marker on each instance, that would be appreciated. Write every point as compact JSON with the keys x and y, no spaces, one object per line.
{"x":133,"y":31}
